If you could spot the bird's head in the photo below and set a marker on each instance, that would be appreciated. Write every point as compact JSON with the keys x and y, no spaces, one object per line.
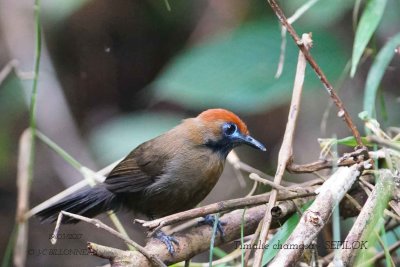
{"x":221,"y":130}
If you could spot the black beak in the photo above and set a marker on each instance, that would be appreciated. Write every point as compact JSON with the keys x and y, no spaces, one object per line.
{"x":248,"y":140}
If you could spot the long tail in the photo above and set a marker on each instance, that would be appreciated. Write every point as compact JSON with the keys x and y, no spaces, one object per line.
{"x":87,"y":202}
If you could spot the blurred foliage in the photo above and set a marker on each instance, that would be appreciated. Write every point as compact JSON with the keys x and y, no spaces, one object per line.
{"x":59,"y":11}
{"x":11,"y":106}
{"x":116,"y":138}
{"x":368,"y":24}
{"x":238,"y":68}
{"x":323,"y":13}
{"x":376,"y":73}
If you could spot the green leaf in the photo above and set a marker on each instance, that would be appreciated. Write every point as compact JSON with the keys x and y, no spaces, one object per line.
{"x":348,"y":141}
{"x":351,"y":141}
{"x":236,"y":70}
{"x":115,"y":139}
{"x":368,"y":24}
{"x":282,"y":235}
{"x":376,"y":73}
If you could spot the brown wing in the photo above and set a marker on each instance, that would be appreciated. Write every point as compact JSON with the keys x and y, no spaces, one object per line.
{"x":141,"y":168}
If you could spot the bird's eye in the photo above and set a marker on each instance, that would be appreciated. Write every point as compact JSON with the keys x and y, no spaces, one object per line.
{"x":229,"y":128}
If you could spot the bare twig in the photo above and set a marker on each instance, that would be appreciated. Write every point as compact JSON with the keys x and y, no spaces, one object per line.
{"x":317,"y":215}
{"x":338,"y":102}
{"x":347,"y":159}
{"x":23,"y":185}
{"x":286,"y":151}
{"x":221,"y":207}
{"x":257,"y":178}
{"x":317,"y":166}
{"x":99,"y":224}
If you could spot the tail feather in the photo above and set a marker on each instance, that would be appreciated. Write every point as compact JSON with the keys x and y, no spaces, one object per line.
{"x":87,"y":202}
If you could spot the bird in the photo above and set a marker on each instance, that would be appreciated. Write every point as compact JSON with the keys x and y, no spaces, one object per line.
{"x":165,"y":175}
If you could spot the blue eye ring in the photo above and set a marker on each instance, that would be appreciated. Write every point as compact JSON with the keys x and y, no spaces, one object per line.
{"x":229,"y":128}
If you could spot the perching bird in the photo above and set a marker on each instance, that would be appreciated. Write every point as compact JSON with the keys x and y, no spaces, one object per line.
{"x":170,"y":173}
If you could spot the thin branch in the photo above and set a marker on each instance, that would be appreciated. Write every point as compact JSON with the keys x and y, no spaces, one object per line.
{"x":286,"y":151}
{"x":347,"y":159}
{"x":338,"y":102}
{"x":221,"y":207}
{"x":101,"y":225}
{"x":23,"y":185}
{"x":257,"y":178}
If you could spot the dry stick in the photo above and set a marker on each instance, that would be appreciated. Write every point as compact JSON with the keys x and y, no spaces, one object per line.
{"x":318,"y":214}
{"x":346,"y":256}
{"x":221,"y":206}
{"x":99,"y":224}
{"x":247,"y":168}
{"x":257,"y":178}
{"x":318,"y":165}
{"x":23,"y":185}
{"x":338,"y":102}
{"x":286,"y":151}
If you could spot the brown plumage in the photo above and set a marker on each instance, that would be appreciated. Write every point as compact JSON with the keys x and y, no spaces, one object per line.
{"x":170,"y":173}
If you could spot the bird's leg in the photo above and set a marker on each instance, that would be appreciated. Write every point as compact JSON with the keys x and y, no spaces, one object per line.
{"x":167,"y":240}
{"x":209,"y":219}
